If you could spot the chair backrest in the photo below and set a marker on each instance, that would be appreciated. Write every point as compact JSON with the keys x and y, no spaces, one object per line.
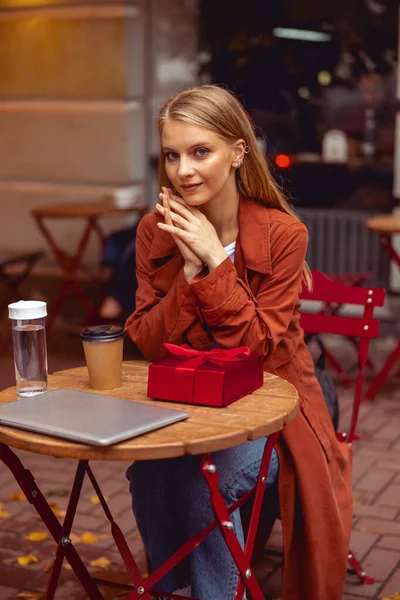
{"x":331,"y":294}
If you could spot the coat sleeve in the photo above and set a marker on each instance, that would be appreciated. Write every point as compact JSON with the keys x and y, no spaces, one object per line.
{"x":235,"y":317}
{"x":158,"y":318}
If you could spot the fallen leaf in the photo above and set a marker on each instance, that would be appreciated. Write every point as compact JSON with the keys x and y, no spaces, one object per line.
{"x":4,"y":514}
{"x":96,"y":500}
{"x":358,"y":499}
{"x":101,"y":562}
{"x":37,"y":536}
{"x":48,"y":567}
{"x":373,"y":531}
{"x":27,"y":559}
{"x":89,"y":538}
{"x":395,"y":596}
{"x":30,"y":595}
{"x":18,"y":496}
{"x":75,"y":539}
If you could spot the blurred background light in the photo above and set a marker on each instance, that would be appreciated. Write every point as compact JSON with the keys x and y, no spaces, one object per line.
{"x":305,"y":35}
{"x":283,"y":161}
{"x":324,"y":78}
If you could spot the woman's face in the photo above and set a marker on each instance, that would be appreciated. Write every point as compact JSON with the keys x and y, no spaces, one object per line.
{"x":198,"y":162}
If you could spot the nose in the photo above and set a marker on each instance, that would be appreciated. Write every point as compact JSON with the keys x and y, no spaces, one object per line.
{"x":185,"y":168}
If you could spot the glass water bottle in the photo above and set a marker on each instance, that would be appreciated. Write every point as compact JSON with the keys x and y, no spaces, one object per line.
{"x":29,"y":344}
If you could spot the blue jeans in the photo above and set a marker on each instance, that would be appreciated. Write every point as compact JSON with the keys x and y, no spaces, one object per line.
{"x":170,"y":500}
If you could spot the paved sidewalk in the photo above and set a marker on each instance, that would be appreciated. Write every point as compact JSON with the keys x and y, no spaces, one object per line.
{"x":376,"y":532}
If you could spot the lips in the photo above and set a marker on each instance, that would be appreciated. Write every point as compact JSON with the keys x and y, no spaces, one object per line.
{"x":190,"y":187}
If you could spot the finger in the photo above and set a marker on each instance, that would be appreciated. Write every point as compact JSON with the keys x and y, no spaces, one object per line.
{"x":166,"y":207}
{"x":164,"y":198}
{"x":181,"y":201}
{"x":178,"y":220}
{"x":163,"y":211}
{"x":177,"y":208}
{"x":166,"y":201}
{"x":175,"y":231}
{"x":182,"y":210}
{"x":168,"y":218}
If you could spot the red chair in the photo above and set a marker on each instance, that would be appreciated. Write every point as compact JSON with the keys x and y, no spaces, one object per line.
{"x":353,"y":279}
{"x":363,"y":328}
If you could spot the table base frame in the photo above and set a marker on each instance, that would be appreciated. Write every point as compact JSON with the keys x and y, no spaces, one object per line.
{"x":70,"y":264}
{"x":141,"y":587}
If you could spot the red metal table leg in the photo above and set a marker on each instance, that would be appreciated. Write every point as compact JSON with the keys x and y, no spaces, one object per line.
{"x":27,"y":484}
{"x":241,"y":557}
{"x":65,"y":540}
{"x":383,"y":374}
{"x":257,"y":505}
{"x":119,"y":539}
{"x":142,"y":587}
{"x":387,"y":244}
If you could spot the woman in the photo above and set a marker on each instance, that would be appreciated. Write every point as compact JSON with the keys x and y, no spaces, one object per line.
{"x":222,"y":264}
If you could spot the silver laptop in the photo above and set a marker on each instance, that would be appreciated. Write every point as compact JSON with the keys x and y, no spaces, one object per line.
{"x":86,"y":417}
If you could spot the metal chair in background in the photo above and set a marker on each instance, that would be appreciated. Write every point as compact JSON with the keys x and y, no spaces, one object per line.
{"x":363,"y":329}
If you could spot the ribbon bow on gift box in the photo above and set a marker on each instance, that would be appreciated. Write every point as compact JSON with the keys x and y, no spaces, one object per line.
{"x":194,"y":358}
{"x":184,"y":382}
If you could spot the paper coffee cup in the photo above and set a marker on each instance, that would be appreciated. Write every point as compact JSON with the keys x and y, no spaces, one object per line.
{"x":103,"y":348}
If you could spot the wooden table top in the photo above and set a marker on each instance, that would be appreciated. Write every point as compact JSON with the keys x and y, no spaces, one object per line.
{"x":207,"y":429}
{"x":85,"y":209}
{"x":384,"y":224}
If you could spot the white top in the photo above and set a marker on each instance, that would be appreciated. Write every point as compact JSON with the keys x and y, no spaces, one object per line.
{"x":27,"y":309}
{"x":230,"y":250}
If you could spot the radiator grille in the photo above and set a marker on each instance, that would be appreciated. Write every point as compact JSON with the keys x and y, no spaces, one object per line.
{"x":340,"y":243}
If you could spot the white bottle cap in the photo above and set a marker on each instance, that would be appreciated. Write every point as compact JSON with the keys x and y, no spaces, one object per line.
{"x":27,"y":309}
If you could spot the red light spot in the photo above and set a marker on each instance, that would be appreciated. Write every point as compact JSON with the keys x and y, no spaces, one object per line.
{"x":283,"y":161}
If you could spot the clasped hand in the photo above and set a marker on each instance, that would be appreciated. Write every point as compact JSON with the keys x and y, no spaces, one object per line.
{"x":193,"y":233}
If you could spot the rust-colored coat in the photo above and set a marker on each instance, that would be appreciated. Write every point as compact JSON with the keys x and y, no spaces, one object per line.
{"x":255,"y":303}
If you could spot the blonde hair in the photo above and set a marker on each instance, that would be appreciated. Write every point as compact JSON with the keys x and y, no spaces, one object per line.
{"x":218,"y":110}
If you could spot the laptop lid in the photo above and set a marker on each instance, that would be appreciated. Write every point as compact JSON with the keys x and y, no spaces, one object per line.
{"x":86,"y":417}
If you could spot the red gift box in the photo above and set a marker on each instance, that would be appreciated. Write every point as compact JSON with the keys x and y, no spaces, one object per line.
{"x":214,"y":377}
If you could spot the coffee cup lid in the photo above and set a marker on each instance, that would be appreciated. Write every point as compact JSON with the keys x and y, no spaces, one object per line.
{"x":102,"y":333}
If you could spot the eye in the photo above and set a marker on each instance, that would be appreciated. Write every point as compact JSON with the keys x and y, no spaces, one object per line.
{"x":171,"y":156}
{"x":201,"y":152}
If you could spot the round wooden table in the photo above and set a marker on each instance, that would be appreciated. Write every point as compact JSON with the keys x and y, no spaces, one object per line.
{"x":208,"y":429}
{"x":263,"y":413}
{"x":384,"y":224}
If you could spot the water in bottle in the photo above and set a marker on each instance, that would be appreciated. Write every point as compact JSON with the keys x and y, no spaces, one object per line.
{"x":29,"y":343}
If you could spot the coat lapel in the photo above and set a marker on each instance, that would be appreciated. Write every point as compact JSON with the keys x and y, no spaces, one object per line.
{"x":253,"y":247}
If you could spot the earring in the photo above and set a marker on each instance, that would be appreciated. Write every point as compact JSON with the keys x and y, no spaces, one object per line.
{"x":238,"y":163}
